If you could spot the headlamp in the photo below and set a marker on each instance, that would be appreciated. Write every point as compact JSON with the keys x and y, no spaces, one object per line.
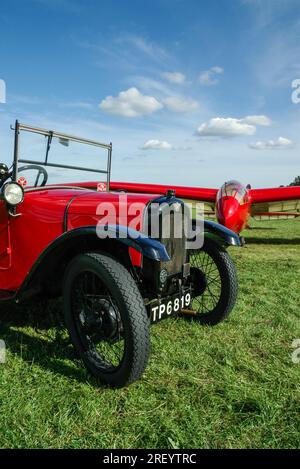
{"x":13,"y":193}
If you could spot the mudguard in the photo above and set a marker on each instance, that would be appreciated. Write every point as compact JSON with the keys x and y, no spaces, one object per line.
{"x":221,"y":234}
{"x":148,"y":247}
{"x":66,"y":243}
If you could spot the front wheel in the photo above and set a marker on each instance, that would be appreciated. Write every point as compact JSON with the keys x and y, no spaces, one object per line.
{"x":106,"y":318}
{"x":215,"y":283}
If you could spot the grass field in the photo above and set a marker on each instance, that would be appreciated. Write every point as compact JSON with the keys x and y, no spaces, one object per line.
{"x":232,"y":386}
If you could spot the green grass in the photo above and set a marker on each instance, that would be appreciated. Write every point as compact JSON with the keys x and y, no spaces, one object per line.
{"x":232,"y":386}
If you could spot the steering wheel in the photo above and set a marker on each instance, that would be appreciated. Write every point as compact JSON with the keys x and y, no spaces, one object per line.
{"x":40,"y":170}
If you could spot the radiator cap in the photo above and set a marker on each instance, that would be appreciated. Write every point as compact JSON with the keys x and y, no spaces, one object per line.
{"x":170,"y":193}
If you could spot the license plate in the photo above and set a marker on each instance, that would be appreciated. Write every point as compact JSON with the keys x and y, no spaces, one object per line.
{"x":167,"y":306}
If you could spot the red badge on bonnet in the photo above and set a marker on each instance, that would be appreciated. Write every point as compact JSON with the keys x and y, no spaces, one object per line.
{"x":101,"y":187}
{"x":22,"y":181}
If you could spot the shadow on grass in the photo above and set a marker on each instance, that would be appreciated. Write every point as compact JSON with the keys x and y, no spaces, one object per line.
{"x":260,"y":228}
{"x":275,"y":241}
{"x":48,"y":346}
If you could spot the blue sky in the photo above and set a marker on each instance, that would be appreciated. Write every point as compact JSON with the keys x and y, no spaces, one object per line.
{"x":190,"y":92}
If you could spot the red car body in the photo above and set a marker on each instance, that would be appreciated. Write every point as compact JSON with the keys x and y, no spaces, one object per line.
{"x":45,"y":215}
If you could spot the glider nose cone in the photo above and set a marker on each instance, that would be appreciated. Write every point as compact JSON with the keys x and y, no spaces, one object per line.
{"x":228,"y":212}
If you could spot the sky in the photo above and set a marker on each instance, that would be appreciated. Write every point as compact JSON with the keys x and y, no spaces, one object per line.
{"x":189,"y":92}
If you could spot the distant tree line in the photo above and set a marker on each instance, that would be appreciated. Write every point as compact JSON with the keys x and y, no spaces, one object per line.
{"x":296,"y":181}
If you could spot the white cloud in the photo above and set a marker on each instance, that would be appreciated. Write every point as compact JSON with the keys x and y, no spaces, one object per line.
{"x":280,"y":143}
{"x":258,"y":120}
{"x":148,"y":85}
{"x":209,"y":77}
{"x":232,"y":127}
{"x":157,"y":145}
{"x":174,"y":77}
{"x":217,"y":70}
{"x":225,"y":127}
{"x":130,"y":103}
{"x":180,"y":104}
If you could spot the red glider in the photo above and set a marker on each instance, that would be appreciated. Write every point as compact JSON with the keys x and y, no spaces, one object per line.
{"x":233,"y":203}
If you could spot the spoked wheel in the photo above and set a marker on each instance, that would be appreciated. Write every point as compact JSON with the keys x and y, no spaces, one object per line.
{"x":215,"y":283}
{"x":106,"y":318}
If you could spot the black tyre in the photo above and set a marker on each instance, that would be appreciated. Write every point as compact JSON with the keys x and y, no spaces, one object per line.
{"x":216,"y":284}
{"x":106,"y":318}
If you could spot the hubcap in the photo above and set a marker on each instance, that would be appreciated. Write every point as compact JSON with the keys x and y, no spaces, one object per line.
{"x":98,"y":321}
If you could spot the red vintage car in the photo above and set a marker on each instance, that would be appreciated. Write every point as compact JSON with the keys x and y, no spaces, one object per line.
{"x":70,"y":240}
